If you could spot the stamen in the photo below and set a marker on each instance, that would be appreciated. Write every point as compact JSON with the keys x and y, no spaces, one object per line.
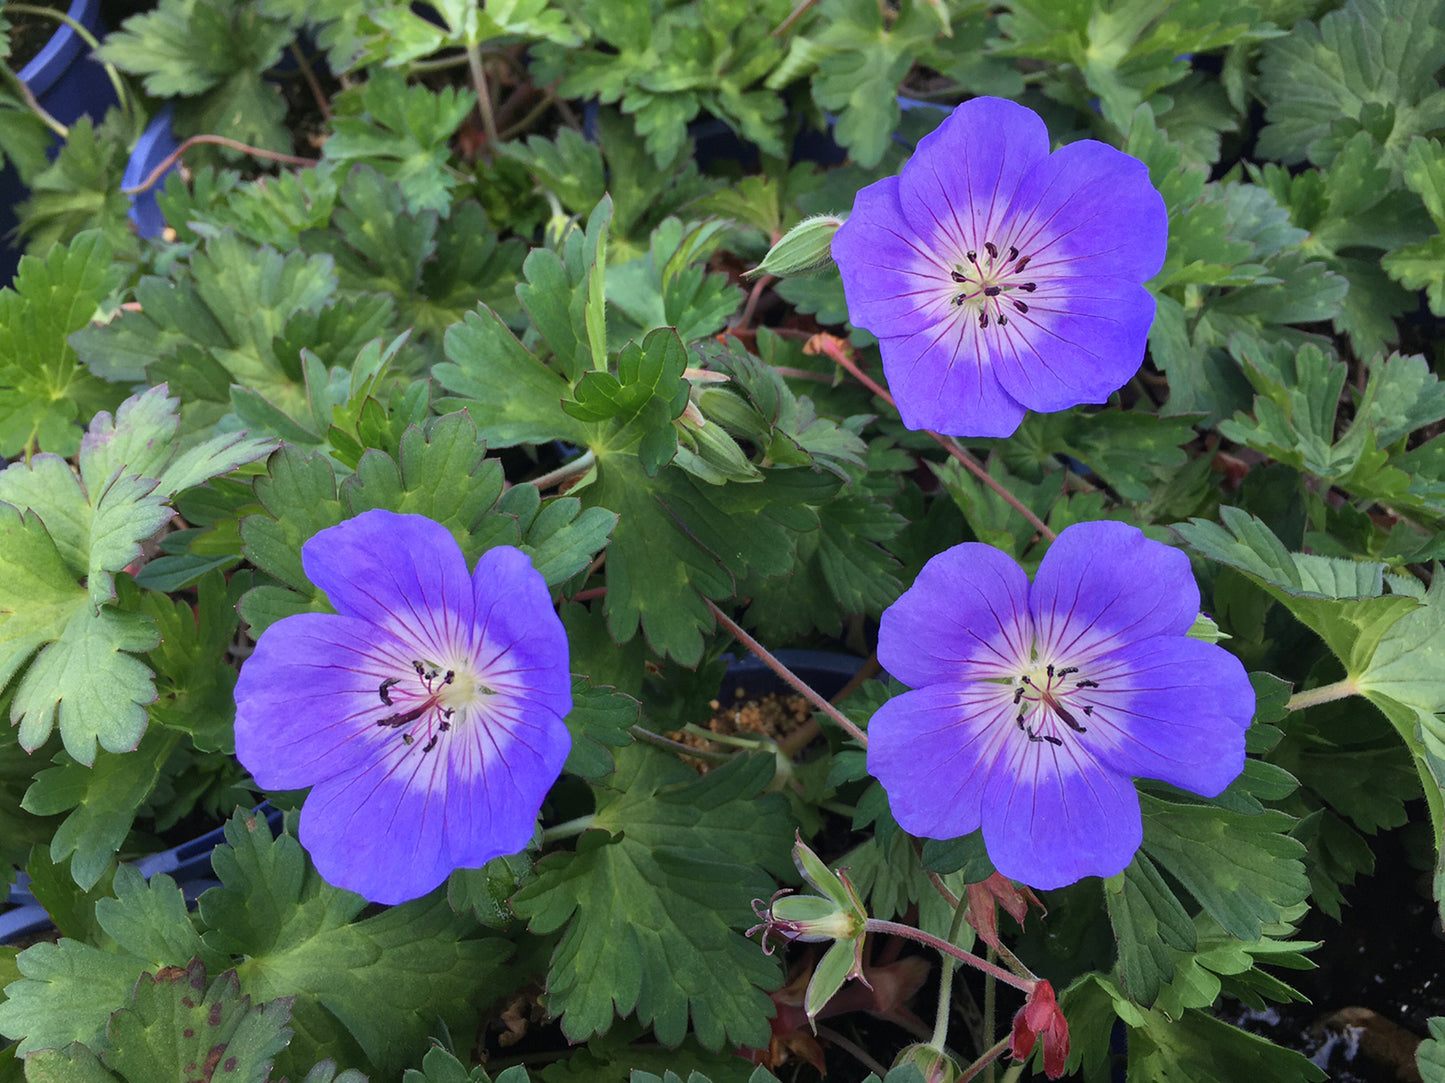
{"x":451,"y":676}
{"x":958,"y":276}
{"x":992,"y":251}
{"x":1086,"y":684}
{"x":430,"y":744}
{"x":992,"y":291}
{"x":1013,"y":254}
{"x":1021,"y":264}
{"x":1069,"y":719}
{"x":1002,"y":320}
{"x":972,"y":257}
{"x":1021,"y":306}
{"x":1028,"y":287}
{"x":1067,"y":670}
{"x":385,"y":690}
{"x":403,"y":717}
{"x":1018,"y":695}
{"x":961,"y":299}
{"x":983,"y":319}
{"x":1088,"y":708}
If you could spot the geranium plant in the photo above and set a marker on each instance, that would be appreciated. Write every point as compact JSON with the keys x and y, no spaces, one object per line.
{"x":510,"y":376}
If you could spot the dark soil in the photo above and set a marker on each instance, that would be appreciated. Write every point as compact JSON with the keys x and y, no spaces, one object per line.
{"x":1381,"y":977}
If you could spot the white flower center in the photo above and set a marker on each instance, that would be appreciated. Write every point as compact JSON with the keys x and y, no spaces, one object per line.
{"x":986,"y":284}
{"x":1048,"y":696}
{"x":427,"y":700}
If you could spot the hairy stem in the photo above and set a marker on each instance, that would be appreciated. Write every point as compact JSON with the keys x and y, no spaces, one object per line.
{"x":1325,"y":693}
{"x":877,"y":925}
{"x":787,"y":674}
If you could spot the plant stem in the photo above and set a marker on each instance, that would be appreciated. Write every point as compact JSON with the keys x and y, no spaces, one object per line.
{"x":841,"y":353}
{"x":220,"y":141}
{"x":787,"y":674}
{"x":945,"y":981}
{"x":579,"y":465}
{"x":668,"y":743}
{"x":308,"y":74}
{"x":985,"y":1061}
{"x":570,"y":829}
{"x":82,"y":32}
{"x":1325,"y":693}
{"x":878,"y":925}
{"x":484,"y":95}
{"x":858,"y":1052}
{"x":990,"y":1012}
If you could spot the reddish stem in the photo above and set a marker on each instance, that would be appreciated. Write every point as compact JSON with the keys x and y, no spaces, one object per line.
{"x":877,"y":925}
{"x":220,"y":141}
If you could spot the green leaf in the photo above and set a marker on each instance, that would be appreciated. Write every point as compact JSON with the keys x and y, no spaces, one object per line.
{"x":371,"y":988}
{"x":187,"y":47}
{"x":176,"y":1022}
{"x":1418,"y":267}
{"x":1430,"y":1056}
{"x":105,"y":796}
{"x":44,"y":390}
{"x":69,"y":990}
{"x":1201,"y":1049}
{"x":513,"y":397}
{"x":1148,"y":920}
{"x":1245,"y":870}
{"x":1370,"y":65}
{"x":1341,"y":600}
{"x":652,"y":910}
{"x":404,"y":133}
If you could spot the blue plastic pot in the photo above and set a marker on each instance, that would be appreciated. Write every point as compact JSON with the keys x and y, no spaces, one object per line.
{"x":69,"y":84}
{"x":156,"y":143}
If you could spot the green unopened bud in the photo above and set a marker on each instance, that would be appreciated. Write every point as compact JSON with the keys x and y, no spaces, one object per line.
{"x":932,"y":1064}
{"x":806,"y":247}
{"x":708,"y":453}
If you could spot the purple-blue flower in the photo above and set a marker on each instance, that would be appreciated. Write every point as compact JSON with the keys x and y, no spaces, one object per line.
{"x":425,"y":714}
{"x":1036,"y":704}
{"x":999,"y":277}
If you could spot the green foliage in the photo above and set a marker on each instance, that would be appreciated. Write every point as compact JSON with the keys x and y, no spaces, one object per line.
{"x":653,"y":902}
{"x":60,"y":528}
{"x":1369,"y":66}
{"x":212,"y":48}
{"x":402,"y":130}
{"x":666,"y":62}
{"x":44,"y":390}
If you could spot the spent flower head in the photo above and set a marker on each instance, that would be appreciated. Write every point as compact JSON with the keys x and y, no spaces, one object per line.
{"x":1036,"y":704}
{"x":999,"y":277}
{"x":425,"y":714}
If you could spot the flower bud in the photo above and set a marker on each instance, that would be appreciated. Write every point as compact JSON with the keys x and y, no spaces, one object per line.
{"x":933,"y":1064}
{"x":806,"y":247}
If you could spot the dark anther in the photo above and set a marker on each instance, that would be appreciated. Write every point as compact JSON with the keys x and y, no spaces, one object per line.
{"x":1032,"y":735}
{"x":1069,"y":719}
{"x":992,"y":251}
{"x":1088,"y":708}
{"x":385,"y":690}
{"x":1021,"y":264}
{"x":1018,"y":694}
{"x":958,"y":276}
{"x":983,"y":319}
{"x":1023,"y":711}
{"x":1049,"y":669}
{"x":407,"y":738}
{"x":451,"y":676}
{"x":420,"y":669}
{"x":431,"y":743}
{"x":1028,"y":287}
{"x":1002,"y":320}
{"x":1026,"y":681}
{"x":961,"y":299}
{"x":1021,"y":306}
{"x":402,"y":718}
{"x":992,"y":291}
{"x":1013,"y":254}
{"x":1067,"y":670}
{"x":972,"y":257}
{"x":1086,"y":684}
{"x":444,"y":725}
{"x":1052,"y":740}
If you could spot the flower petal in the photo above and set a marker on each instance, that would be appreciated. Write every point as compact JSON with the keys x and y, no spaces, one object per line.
{"x":960,"y":184}
{"x":964,"y":617}
{"x":519,"y":642}
{"x":404,"y":573}
{"x":942,"y":379}
{"x":307,"y":702}
{"x":396,"y":828}
{"x":1090,"y":210}
{"x":1052,"y":816}
{"x":1104,"y":584}
{"x":932,"y":750}
{"x":893,"y":283}
{"x":1171,"y":708}
{"x":1080,"y":341}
